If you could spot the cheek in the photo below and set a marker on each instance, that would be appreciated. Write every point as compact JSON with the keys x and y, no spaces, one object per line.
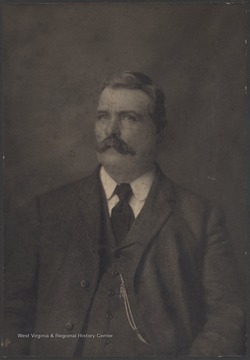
{"x":99,"y":130}
{"x":145,"y":139}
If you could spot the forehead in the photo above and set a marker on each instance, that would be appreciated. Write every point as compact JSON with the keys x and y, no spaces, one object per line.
{"x":124,"y":99}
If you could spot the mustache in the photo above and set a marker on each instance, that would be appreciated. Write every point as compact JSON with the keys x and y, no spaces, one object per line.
{"x":117,"y":143}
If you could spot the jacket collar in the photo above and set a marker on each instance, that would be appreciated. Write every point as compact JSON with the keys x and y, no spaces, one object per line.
{"x":87,"y":227}
{"x":156,"y":210}
{"x":90,"y":208}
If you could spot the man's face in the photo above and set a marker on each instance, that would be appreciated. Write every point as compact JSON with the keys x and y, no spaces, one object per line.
{"x":125,"y":133}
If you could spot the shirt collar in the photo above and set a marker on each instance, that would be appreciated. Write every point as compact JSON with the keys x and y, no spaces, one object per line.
{"x":108,"y":183}
{"x":140,"y":186}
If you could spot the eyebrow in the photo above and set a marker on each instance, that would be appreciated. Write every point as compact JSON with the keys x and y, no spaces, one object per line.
{"x":102,"y":112}
{"x":125,"y":112}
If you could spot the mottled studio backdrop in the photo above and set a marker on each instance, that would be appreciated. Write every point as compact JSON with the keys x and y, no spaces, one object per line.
{"x":55,"y":58}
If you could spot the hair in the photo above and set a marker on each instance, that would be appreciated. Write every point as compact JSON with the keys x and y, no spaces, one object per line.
{"x":140,"y":81}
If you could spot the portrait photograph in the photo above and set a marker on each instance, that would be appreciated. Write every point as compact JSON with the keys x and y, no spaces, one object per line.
{"x":124,"y":179}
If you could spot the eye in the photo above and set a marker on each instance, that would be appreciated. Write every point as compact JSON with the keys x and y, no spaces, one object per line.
{"x":129,"y":118}
{"x":102,"y":116}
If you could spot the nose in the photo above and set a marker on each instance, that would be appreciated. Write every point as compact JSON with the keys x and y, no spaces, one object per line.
{"x":113,"y":127}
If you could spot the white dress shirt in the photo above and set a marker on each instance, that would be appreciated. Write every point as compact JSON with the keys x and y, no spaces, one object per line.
{"x":140,"y":188}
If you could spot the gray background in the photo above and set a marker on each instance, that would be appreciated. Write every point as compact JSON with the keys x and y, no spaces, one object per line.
{"x":55,"y":58}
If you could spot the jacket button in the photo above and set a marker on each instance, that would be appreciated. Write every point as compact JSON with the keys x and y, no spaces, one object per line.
{"x":69,"y":326}
{"x":109,"y":316}
{"x":84,"y":283}
{"x":115,"y":273}
{"x":111,"y":292}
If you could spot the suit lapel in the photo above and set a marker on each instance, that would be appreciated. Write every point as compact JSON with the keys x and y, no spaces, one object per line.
{"x":157,"y":209}
{"x":90,"y":210}
{"x":88,"y":220}
{"x":155,"y":213}
{"x":81,"y":253}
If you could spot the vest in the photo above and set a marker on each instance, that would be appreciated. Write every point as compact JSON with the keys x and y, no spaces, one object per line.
{"x":109,"y":329}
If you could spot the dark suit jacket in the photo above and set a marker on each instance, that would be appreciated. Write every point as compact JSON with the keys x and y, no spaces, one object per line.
{"x":181,"y":279}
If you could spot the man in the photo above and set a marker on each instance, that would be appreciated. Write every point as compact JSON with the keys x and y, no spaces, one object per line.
{"x":124,"y":262}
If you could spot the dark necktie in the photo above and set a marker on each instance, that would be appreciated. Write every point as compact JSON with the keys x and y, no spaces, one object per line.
{"x":122,"y":215}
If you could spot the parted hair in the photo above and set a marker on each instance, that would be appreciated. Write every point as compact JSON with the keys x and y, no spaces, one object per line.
{"x":139,"y":81}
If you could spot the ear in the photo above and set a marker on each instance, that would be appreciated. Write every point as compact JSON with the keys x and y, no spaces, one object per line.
{"x":161,"y":134}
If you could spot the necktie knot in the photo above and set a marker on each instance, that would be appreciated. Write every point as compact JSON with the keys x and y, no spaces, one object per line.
{"x":124,"y":192}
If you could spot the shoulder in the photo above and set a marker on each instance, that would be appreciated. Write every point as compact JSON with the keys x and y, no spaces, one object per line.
{"x":55,"y":203}
{"x":187,"y":199}
{"x":182,"y":196}
{"x":66,"y":193}
{"x":72,"y":189}
{"x":192,"y":207}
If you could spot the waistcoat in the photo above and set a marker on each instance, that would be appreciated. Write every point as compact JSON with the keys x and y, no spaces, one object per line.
{"x":109,"y":329}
